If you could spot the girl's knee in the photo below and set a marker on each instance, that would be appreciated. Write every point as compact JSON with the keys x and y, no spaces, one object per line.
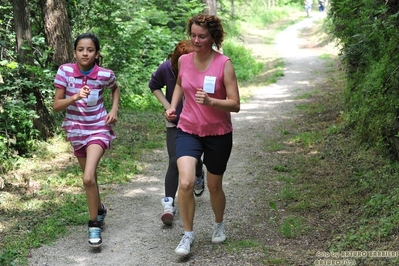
{"x":89,"y":181}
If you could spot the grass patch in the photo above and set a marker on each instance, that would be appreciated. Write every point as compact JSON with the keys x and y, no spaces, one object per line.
{"x":240,"y":245}
{"x":292,"y":227}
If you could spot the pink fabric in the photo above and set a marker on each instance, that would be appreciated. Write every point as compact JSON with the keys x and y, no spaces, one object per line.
{"x":195,"y":118}
{"x":84,"y":123}
{"x":82,"y":152}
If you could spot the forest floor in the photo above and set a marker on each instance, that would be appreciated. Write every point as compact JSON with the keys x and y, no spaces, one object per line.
{"x":134,"y":233}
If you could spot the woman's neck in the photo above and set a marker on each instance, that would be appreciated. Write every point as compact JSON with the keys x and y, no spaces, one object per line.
{"x":202,"y":58}
{"x":202,"y":61}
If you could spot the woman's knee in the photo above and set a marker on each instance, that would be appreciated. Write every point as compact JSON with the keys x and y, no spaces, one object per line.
{"x":214,"y":187}
{"x":186,"y":185}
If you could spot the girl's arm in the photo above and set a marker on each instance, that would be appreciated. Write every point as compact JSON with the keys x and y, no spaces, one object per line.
{"x":170,"y":114}
{"x":61,"y":103}
{"x":161,"y":98}
{"x":112,"y":116}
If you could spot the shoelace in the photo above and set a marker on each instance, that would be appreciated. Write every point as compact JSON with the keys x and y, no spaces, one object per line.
{"x":218,"y":230}
{"x":184,"y":242}
{"x":94,"y":232}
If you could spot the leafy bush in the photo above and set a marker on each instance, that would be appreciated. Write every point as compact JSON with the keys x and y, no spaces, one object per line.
{"x":367,"y":31}
{"x":244,"y":63}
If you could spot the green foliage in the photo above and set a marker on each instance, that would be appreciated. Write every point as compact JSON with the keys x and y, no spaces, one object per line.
{"x":245,"y":65}
{"x":368,"y":35}
{"x":379,"y":222}
{"x":264,"y":15}
{"x":18,"y":134}
{"x":135,"y":38}
{"x":292,"y":227}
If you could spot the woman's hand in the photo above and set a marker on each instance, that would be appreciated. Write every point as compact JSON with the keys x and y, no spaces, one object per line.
{"x":201,"y":97}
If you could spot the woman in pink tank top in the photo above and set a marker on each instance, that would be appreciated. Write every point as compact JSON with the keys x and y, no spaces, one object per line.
{"x":208,"y":83}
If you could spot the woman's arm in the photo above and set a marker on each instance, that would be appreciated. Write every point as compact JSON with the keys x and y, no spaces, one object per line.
{"x":232,"y":101}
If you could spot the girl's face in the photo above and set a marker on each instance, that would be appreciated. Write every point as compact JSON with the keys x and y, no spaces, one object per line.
{"x":201,"y":39}
{"x":86,"y":54}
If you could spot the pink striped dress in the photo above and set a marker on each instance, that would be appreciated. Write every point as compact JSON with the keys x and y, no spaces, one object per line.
{"x":85,"y":120}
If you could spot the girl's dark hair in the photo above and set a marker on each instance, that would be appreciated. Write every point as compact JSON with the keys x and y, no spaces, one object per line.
{"x":94,"y":39}
{"x":183,"y":47}
{"x":212,"y":23}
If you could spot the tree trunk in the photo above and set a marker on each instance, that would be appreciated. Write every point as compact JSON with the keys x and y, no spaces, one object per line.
{"x":24,"y":41}
{"x":210,"y":7}
{"x":232,"y":9}
{"x":57,"y":30}
{"x":22,"y":30}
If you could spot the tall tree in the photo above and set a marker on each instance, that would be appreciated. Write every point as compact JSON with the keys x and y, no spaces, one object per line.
{"x":57,"y":30}
{"x":22,"y":30}
{"x":43,"y":122}
{"x":210,"y":7}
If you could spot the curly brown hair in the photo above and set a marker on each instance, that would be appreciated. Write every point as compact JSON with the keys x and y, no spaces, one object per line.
{"x":212,"y":23}
{"x":182,"y":47}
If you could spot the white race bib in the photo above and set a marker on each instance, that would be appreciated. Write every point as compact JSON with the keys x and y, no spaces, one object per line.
{"x":93,"y":98}
{"x":209,"y":84}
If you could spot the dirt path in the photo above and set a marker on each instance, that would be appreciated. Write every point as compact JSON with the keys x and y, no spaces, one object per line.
{"x":134,"y":234}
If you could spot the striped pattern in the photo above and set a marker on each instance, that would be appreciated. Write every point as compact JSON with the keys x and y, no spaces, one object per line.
{"x":84,"y":123}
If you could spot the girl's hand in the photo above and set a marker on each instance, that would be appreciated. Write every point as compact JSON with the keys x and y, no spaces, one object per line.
{"x":111,"y":118}
{"x":83,"y":93}
{"x":170,"y":114}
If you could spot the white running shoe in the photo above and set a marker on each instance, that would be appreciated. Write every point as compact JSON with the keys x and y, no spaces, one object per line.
{"x":184,"y":246}
{"x":168,"y":210}
{"x":219,"y":234}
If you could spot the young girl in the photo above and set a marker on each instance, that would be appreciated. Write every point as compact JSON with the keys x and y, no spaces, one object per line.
{"x":79,"y":90}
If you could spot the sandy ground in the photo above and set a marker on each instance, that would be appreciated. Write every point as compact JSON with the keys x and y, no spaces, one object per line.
{"x":134,"y":233}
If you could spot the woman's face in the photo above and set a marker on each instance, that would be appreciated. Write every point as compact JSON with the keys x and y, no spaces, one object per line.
{"x":86,"y":54}
{"x":201,"y":39}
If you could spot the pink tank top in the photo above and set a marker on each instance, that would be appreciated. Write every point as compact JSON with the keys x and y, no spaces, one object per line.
{"x":195,"y":118}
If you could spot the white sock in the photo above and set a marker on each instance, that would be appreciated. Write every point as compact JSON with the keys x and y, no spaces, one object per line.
{"x":189,"y":234}
{"x":218,"y":223}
